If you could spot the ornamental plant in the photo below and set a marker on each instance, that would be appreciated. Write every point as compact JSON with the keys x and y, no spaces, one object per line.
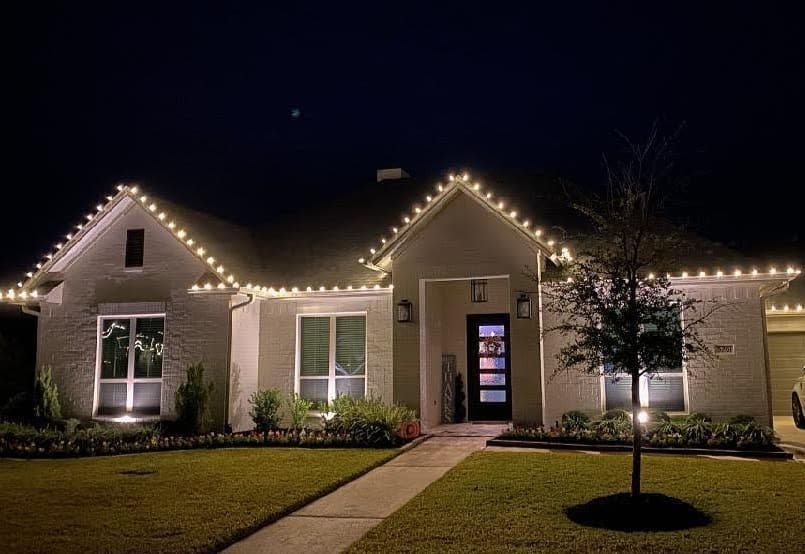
{"x":298,"y":409}
{"x":617,"y":311}
{"x":46,"y":396}
{"x":264,"y":411}
{"x":192,"y":399}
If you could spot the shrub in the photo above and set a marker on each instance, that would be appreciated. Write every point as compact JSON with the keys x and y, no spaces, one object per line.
{"x":697,"y":429}
{"x":46,"y":396}
{"x":657,"y":416}
{"x":95,"y":439}
{"x":193,"y":401}
{"x":697,"y":417}
{"x":264,"y":411}
{"x":575,"y":420}
{"x":613,"y":428}
{"x":298,"y":408}
{"x":369,"y":421}
{"x":617,"y":413}
{"x":756,"y":436}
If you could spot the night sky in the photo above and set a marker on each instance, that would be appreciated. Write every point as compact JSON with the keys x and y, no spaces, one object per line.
{"x":246,"y":112}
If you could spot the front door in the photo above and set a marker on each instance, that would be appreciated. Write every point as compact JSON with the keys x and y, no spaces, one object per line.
{"x":489,"y":367}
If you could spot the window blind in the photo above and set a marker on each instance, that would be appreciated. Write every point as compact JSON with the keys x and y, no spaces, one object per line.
{"x":350,"y":345}
{"x":115,"y":349}
{"x":148,"y":343}
{"x":315,"y":347}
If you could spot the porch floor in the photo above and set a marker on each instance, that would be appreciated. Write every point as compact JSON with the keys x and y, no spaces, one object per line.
{"x":467,"y":429}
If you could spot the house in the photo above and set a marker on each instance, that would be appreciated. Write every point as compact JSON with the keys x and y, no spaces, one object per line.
{"x":386,"y":291}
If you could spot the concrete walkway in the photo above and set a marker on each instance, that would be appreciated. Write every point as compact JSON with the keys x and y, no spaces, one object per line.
{"x":789,"y":434}
{"x":333,"y":522}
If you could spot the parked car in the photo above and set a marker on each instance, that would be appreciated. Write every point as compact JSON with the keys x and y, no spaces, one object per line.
{"x":798,"y":401}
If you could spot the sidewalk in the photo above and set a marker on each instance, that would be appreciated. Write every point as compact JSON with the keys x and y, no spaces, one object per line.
{"x":333,"y":522}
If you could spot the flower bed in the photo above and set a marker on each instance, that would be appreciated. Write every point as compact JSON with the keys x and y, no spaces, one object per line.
{"x":695,"y":431}
{"x":22,"y":441}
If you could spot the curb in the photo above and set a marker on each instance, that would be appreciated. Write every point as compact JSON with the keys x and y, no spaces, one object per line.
{"x":796,"y":449}
{"x":774,"y":455}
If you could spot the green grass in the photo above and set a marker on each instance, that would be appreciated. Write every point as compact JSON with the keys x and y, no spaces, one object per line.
{"x":503,"y":502}
{"x":163,"y":502}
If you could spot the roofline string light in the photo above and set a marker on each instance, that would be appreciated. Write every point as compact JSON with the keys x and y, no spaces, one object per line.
{"x":134,"y":192}
{"x":272,"y":292}
{"x":486,"y":196}
{"x":201,"y":253}
{"x":789,"y":273}
{"x":785,"y":308}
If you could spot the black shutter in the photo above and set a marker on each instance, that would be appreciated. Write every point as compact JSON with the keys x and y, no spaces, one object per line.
{"x":135,"y":243}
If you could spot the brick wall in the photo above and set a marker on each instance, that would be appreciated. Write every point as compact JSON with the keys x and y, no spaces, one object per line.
{"x":278,"y":338}
{"x":97,"y":283}
{"x":731,"y":385}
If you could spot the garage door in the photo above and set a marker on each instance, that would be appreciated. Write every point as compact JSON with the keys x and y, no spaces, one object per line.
{"x":786,"y":356}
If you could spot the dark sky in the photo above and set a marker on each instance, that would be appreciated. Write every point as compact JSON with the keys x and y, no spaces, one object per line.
{"x":198,"y":104}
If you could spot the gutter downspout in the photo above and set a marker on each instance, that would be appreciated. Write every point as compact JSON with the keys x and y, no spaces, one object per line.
{"x":29,"y":311}
{"x":229,"y":357}
{"x":541,"y":332}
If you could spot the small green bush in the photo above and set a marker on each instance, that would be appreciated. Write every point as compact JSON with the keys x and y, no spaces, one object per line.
{"x":298,"y":408}
{"x":616,"y":427}
{"x":657,"y":416}
{"x":742,"y":419}
{"x":369,"y":421}
{"x":575,"y":420}
{"x":192,"y":400}
{"x":46,"y":396}
{"x":755,"y":436}
{"x":264,"y":411}
{"x":617,"y":413}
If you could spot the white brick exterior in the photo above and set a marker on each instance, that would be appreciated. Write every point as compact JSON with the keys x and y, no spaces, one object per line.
{"x":734,"y":384}
{"x":96,"y":283}
{"x":463,"y":241}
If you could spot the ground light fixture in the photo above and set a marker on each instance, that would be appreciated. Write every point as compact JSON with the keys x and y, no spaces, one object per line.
{"x":642,"y":416}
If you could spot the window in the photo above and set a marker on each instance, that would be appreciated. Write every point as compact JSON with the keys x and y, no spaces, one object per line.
{"x":135,"y":245}
{"x":332,"y":357}
{"x":664,"y":390}
{"x":130,"y":379}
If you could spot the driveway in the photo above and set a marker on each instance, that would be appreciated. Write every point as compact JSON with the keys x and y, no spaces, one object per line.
{"x":789,"y":434}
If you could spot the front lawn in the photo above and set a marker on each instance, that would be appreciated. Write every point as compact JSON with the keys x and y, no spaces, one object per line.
{"x":495,"y":502}
{"x":166,"y":502}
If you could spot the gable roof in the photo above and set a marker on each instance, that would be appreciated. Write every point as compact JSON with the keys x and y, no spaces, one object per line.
{"x":421,"y":213}
{"x":215,"y":235}
{"x":334,"y":244}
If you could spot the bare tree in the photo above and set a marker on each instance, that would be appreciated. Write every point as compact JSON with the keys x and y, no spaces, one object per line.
{"x":614,"y":303}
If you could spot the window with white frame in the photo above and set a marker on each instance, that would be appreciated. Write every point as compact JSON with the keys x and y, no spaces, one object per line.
{"x":130,"y":358}
{"x":332,"y":357}
{"x":663,"y":390}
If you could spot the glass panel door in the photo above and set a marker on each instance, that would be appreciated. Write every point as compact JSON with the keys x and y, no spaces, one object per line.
{"x":488,"y":366}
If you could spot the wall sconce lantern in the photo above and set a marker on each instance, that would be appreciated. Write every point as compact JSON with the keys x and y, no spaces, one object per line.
{"x":523,"y":306}
{"x":478,"y":290}
{"x":405,"y":311}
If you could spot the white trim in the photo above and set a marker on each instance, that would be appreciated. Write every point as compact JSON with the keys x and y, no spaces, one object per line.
{"x":331,"y":377}
{"x":91,"y":232}
{"x":541,"y":325}
{"x":473,"y":278}
{"x":130,"y":380}
{"x":424,"y":400}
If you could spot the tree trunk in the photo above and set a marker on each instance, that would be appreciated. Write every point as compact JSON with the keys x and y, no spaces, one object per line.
{"x":636,"y":432}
